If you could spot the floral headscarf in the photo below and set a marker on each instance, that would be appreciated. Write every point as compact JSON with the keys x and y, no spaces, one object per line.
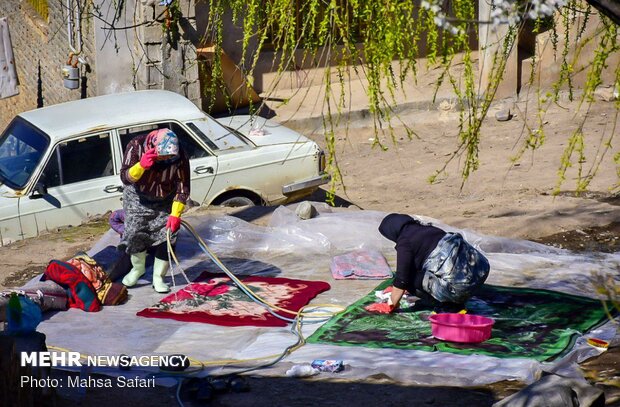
{"x":164,"y":141}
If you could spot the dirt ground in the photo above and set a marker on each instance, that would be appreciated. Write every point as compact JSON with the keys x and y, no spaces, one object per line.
{"x":501,"y":198}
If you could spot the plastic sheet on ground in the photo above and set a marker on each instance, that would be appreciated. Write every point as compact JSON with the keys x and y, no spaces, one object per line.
{"x":290,"y":247}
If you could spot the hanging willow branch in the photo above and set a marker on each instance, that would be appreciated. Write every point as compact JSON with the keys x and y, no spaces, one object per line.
{"x":380,"y":40}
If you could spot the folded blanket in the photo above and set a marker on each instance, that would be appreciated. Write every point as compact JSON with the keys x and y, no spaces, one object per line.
{"x":89,"y":267}
{"x":112,"y":293}
{"x":49,"y":295}
{"x":108,"y":292}
{"x":360,"y":264}
{"x":81,"y":292}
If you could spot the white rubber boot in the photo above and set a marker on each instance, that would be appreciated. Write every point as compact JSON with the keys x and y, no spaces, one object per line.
{"x":138,"y":261}
{"x":160,"y":269}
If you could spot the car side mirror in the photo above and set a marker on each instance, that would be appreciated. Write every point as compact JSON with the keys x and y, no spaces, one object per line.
{"x":40,"y":190}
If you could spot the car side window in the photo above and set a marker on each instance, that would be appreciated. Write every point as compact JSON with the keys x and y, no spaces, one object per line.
{"x":79,"y":160}
{"x":187,"y":142}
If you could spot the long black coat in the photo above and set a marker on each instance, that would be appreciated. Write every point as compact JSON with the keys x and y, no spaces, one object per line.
{"x":414,"y":242}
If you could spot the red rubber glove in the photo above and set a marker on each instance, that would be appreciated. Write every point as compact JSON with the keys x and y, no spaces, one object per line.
{"x":379,"y":307}
{"x":148,"y":158}
{"x":174,"y":223}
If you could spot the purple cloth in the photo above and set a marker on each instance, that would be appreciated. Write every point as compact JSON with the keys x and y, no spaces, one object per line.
{"x":360,"y":264}
{"x":117,"y":221}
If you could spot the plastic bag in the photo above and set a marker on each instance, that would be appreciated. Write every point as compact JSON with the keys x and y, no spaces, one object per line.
{"x":23,"y":315}
{"x":302,"y":371}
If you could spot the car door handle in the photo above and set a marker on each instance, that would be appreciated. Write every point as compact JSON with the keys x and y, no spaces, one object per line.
{"x":113,"y":188}
{"x":203,"y":170}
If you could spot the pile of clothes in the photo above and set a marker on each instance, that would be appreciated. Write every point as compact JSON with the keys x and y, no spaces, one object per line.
{"x":77,"y":283}
{"x":88,"y":286}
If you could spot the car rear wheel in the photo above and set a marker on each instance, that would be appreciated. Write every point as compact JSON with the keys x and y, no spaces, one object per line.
{"x":236,"y":201}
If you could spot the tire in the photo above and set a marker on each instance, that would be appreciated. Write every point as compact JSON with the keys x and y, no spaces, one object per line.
{"x":236,"y":201}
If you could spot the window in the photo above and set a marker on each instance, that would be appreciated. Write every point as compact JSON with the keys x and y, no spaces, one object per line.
{"x":191,"y":147}
{"x":129,"y":133}
{"x":21,"y":149}
{"x":79,"y":160}
{"x":217,"y":136}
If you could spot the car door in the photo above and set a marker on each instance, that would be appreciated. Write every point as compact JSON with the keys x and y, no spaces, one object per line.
{"x":78,"y":181}
{"x":203,"y":163}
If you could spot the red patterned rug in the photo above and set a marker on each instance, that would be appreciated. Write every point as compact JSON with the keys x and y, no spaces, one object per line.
{"x":219,"y":301}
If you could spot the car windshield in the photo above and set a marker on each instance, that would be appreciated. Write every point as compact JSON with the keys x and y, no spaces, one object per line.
{"x":21,"y":148}
{"x":217,"y":136}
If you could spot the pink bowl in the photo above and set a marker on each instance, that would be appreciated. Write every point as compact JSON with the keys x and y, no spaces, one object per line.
{"x":466,"y":328}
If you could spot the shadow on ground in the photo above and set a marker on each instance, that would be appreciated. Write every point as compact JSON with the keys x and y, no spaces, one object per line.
{"x":606,"y":197}
{"x":252,"y":213}
{"x":291,"y":392}
{"x":604,"y":239}
{"x":327,"y":390}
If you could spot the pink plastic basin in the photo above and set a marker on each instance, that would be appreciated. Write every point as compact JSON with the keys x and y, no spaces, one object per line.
{"x":466,"y":328}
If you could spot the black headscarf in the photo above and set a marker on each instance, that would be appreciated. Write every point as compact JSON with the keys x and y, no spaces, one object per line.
{"x":392,"y":225}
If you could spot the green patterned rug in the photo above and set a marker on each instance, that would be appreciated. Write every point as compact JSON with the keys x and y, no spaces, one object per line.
{"x":529,"y":323}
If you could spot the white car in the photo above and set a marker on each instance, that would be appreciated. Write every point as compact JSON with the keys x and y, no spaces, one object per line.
{"x":60,"y":165}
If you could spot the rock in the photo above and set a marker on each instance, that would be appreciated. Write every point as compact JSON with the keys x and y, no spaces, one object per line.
{"x":445,"y":109}
{"x":305,"y":210}
{"x":446,"y":106}
{"x":606,"y":94}
{"x":503,"y":115}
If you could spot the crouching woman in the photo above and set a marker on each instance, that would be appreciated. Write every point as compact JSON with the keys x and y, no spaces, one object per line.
{"x":441,"y":268}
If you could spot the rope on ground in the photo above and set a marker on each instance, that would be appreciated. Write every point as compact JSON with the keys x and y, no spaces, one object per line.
{"x":205,"y":248}
{"x":297,"y":321}
{"x":296,"y":328}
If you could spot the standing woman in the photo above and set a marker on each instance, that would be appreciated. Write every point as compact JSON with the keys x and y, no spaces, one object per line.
{"x":156,"y":175}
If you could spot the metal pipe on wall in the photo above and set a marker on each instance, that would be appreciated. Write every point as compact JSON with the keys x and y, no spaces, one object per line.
{"x":75,"y":27}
